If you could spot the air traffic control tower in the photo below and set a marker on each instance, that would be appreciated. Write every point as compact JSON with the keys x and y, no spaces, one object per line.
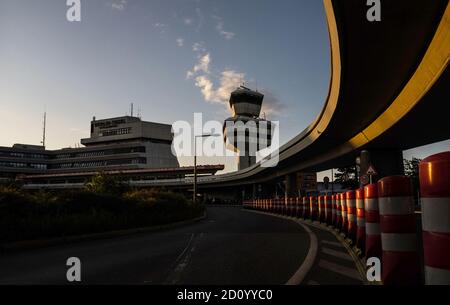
{"x":245,"y":132}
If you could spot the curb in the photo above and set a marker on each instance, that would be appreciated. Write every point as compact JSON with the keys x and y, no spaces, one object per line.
{"x":352,"y":251}
{"x":36,"y":244}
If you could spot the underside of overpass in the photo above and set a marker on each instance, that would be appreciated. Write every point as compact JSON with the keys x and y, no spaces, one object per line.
{"x":388,"y":89}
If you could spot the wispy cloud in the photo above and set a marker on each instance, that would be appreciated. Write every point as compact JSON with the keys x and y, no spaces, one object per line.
{"x":271,"y":104}
{"x":180,"y":42}
{"x":200,"y":18}
{"x":119,"y":5}
{"x":188,"y":21}
{"x":160,"y":26}
{"x":220,"y":27}
{"x":228,"y":82}
{"x":198,"y":47}
{"x":201,"y":66}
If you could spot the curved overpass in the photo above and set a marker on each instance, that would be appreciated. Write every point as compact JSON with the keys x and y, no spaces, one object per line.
{"x":389,"y":81}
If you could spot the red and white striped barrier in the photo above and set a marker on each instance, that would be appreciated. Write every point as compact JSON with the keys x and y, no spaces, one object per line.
{"x":321,"y":205}
{"x":360,"y":220}
{"x":313,"y":207}
{"x":351,"y":214}
{"x":328,"y":209}
{"x":342,"y":199}
{"x":338,"y":212}
{"x":277,"y":205}
{"x":372,"y":214}
{"x":434,"y":173}
{"x":333,"y":210}
{"x":305,"y":205}
{"x":292,"y":206}
{"x":398,"y":231}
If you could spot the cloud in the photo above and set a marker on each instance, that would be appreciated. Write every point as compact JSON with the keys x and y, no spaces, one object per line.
{"x":160,"y":26}
{"x":220,"y":28}
{"x":198,"y":47}
{"x":180,"y":42}
{"x":200,"y":19}
{"x":229,"y":81}
{"x":201,"y":66}
{"x":119,"y":5}
{"x":271,"y":104}
{"x":188,"y":21}
{"x":217,"y":88}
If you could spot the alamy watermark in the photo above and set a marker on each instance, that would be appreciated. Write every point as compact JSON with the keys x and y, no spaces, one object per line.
{"x":74,"y":10}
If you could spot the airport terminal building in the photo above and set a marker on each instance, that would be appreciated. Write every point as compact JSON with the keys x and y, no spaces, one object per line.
{"x":122,"y":143}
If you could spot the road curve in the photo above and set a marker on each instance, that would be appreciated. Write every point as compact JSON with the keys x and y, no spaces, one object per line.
{"x":230,"y":246}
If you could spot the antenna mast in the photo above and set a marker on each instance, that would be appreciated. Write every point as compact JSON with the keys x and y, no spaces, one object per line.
{"x":43,"y":131}
{"x":131,"y":109}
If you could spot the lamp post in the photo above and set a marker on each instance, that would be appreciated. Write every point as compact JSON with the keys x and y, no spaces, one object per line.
{"x":194,"y":199}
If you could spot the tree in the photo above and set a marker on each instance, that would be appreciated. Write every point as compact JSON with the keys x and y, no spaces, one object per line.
{"x":103,"y":183}
{"x":347,"y":177}
{"x":411,"y":168}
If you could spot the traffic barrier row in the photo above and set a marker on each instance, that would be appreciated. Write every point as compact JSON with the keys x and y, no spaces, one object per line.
{"x":380,"y":220}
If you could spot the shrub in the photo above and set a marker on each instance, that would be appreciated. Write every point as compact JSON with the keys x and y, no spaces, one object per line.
{"x":46,"y":214}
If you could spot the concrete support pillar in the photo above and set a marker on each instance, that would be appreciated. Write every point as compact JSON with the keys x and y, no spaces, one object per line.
{"x":291,"y":185}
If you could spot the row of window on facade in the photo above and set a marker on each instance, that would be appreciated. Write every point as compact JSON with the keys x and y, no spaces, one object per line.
{"x":23,"y":165}
{"x":22,"y":155}
{"x":116,"y":132}
{"x":140,"y":149}
{"x":74,"y":164}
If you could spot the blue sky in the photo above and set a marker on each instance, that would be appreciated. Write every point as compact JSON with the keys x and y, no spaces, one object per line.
{"x":141,"y":51}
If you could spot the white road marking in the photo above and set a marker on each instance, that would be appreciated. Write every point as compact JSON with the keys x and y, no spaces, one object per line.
{"x":345,"y":271}
{"x":338,"y":254}
{"x":308,"y":263}
{"x":332,"y":243}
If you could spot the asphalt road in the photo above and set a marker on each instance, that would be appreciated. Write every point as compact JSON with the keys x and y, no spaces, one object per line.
{"x":231,"y":246}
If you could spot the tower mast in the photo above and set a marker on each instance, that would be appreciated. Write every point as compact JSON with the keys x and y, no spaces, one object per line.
{"x":43,"y":129}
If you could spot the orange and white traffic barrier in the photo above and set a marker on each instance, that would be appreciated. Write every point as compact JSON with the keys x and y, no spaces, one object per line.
{"x":434,"y":173}
{"x":282,"y":205}
{"x":333,"y":210}
{"x":328,"y":209}
{"x":313,"y":207}
{"x":398,"y":231}
{"x":360,"y":220}
{"x":291,"y":206}
{"x":297,"y":206}
{"x":306,"y":207}
{"x":372,"y":214}
{"x":342,"y":199}
{"x":338,"y":212}
{"x":350,"y":199}
{"x":321,"y":204}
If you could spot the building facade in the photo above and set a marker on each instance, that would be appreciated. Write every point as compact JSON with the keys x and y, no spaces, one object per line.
{"x":121,"y":143}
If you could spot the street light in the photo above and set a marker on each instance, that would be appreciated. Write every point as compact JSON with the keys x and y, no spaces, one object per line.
{"x":195,"y":161}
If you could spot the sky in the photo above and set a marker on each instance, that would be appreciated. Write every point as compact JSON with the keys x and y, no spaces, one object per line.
{"x":171,"y":58}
